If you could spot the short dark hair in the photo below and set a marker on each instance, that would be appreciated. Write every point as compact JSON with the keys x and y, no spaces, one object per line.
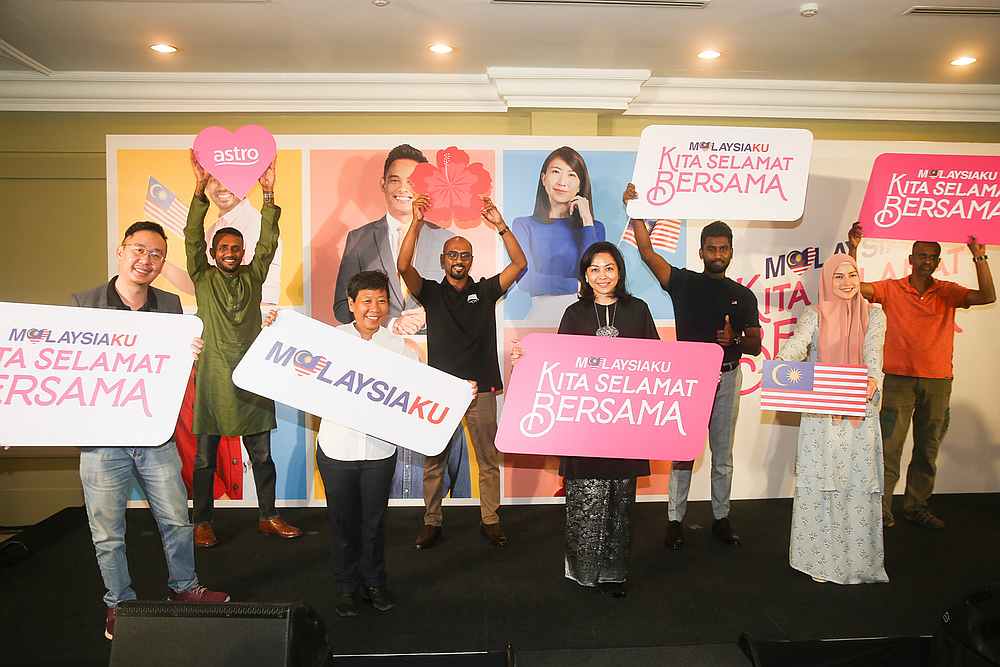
{"x":144,"y":226}
{"x":586,"y":291}
{"x":576,"y":163}
{"x":717,"y":228}
{"x":402,"y":152}
{"x":222,"y":231}
{"x":374,"y":280}
{"x":933,"y":243}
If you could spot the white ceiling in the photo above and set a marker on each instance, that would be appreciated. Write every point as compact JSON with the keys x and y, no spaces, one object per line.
{"x":850,"y":40}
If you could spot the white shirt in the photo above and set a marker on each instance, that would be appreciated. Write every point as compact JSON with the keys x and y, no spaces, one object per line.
{"x":397,"y":230}
{"x":246,"y":218}
{"x":345,"y":444}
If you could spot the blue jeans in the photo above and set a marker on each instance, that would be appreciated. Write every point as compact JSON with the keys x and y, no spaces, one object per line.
{"x":107,"y":474}
{"x":721,"y":429}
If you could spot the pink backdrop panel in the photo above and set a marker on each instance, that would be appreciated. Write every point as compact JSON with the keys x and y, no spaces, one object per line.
{"x":610,"y":397}
{"x":917,"y":197}
{"x":533,"y":475}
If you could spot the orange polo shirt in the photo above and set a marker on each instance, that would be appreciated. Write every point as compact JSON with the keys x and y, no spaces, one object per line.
{"x":920,"y":330}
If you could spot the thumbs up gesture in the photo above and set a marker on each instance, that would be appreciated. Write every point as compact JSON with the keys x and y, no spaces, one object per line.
{"x":725,"y":336}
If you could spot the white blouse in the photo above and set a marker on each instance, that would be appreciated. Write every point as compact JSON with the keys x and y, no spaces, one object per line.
{"x":345,"y":444}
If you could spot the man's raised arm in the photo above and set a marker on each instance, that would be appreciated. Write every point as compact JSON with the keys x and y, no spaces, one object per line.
{"x":518,"y":262}
{"x":987,"y":292}
{"x":657,"y":264}
{"x":404,"y":263}
{"x":194,"y":229}
{"x":853,"y":241}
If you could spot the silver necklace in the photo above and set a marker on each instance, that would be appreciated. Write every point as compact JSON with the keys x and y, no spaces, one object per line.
{"x":608,"y":329}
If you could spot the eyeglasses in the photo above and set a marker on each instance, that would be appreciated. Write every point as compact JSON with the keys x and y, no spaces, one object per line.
{"x":137,"y":250}
{"x":454,"y":254}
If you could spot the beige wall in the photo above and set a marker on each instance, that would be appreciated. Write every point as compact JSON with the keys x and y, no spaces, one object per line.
{"x":52,"y":183}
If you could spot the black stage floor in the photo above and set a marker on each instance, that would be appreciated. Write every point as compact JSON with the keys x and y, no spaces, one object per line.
{"x":464,"y":595}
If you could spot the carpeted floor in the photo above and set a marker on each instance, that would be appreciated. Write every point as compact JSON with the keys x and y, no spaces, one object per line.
{"x":464,"y":595}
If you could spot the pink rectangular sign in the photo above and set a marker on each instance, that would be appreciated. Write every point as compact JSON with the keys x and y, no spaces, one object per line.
{"x":610,"y":397}
{"x":918,"y":197}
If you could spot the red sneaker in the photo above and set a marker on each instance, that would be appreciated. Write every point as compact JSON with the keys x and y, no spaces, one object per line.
{"x":198,"y":594}
{"x":109,"y":623}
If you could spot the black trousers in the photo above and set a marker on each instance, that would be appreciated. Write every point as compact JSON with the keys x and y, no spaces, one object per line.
{"x":258,"y":446}
{"x":357,"y":495}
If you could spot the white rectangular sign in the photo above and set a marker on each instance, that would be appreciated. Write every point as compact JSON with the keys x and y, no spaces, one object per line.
{"x":737,"y":173}
{"x":311,"y":366}
{"x":92,"y":377}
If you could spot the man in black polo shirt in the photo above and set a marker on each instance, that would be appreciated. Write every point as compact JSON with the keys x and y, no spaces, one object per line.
{"x":462,"y":341}
{"x":708,"y":308}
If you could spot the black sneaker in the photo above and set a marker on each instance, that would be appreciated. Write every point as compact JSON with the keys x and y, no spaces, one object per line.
{"x":379,"y":598}
{"x":723,"y":530}
{"x":675,"y":535}
{"x":923,"y":517}
{"x":346,"y":605}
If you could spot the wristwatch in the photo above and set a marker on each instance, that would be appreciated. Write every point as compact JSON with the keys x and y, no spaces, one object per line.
{"x":737,"y":340}
{"x":269,"y":199}
{"x":503,"y":231}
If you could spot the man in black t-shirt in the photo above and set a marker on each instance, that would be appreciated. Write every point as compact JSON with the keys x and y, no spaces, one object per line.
{"x":708,"y":308}
{"x":462,"y":341}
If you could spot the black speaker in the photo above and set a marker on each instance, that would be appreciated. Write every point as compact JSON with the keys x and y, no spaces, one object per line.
{"x":970,"y":631}
{"x":853,"y":652}
{"x":168,"y":634}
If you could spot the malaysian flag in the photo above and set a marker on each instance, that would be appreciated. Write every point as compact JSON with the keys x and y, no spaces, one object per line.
{"x":307,"y":363}
{"x":162,"y":206}
{"x":790,"y":386}
{"x":663,"y":234}
{"x":800,"y":261}
{"x":39,"y":335}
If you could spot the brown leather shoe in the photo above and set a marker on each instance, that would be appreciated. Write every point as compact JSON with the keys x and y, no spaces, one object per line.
{"x":277,"y":526}
{"x":204,"y":535}
{"x":494,"y":533}
{"x":428,"y":537}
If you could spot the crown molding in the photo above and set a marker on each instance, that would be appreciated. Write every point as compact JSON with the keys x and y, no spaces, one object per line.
{"x":567,"y":88}
{"x":247,"y":92}
{"x":17,"y":55}
{"x":500,"y":88}
{"x":849,"y":100}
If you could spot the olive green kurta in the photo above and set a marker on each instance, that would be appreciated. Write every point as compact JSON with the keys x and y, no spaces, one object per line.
{"x":229,"y":305}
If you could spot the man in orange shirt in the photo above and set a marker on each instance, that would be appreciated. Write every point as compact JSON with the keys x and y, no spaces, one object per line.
{"x":919,"y":340}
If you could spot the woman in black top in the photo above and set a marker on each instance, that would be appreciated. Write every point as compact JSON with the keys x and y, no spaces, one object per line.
{"x":600,"y":492}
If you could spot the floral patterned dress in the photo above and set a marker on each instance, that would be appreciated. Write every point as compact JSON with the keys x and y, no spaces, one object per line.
{"x":837,"y":511}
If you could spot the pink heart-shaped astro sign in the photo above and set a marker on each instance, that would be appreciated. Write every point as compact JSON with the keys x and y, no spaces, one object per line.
{"x":237,"y":158}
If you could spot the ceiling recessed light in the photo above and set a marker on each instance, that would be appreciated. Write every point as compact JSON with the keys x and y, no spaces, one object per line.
{"x":163,"y":48}
{"x":380,"y":3}
{"x":441,"y":48}
{"x":709,"y":54}
{"x":963,"y":61}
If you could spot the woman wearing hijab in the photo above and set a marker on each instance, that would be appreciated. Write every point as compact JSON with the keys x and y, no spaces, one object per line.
{"x":837,"y":510}
{"x":600,"y":492}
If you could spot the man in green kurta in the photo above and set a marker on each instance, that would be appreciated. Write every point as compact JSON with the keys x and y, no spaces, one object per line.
{"x":229,"y":296}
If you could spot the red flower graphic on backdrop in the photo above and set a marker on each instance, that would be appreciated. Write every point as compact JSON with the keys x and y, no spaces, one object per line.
{"x":454,"y":186}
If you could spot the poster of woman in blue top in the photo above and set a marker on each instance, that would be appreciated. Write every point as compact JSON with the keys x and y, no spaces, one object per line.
{"x":554,"y":236}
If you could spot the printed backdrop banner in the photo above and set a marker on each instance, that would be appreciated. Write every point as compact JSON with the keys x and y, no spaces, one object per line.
{"x":933,"y":198}
{"x":746,"y":173}
{"x":92,"y":377}
{"x":335,"y":210}
{"x":328,"y":373}
{"x":610,"y":397}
